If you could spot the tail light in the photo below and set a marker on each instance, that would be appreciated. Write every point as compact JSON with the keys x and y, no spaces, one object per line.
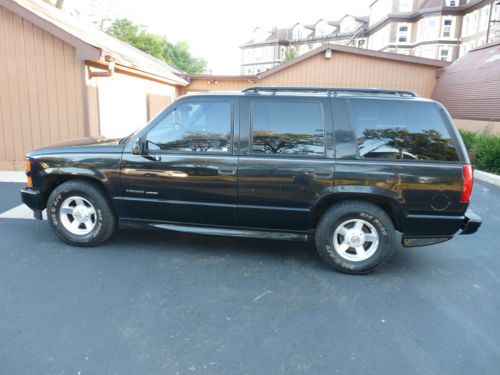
{"x":468,"y":181}
{"x":27,"y":164}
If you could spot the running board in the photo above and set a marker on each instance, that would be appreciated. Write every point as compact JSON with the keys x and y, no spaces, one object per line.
{"x":262,"y":234}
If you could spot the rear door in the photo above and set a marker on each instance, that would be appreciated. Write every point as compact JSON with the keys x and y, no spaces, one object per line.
{"x":285,"y":161}
{"x":403,"y":149}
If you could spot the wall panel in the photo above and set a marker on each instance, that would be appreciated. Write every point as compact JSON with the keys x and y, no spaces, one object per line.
{"x":40,"y":90}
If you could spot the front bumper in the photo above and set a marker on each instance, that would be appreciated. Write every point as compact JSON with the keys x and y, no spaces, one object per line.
{"x":471,"y":224}
{"x":32,"y":199}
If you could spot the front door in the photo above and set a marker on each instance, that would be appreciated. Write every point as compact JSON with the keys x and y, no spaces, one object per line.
{"x":187,"y":170}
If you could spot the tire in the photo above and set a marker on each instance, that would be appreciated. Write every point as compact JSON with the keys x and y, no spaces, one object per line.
{"x":77,"y":199}
{"x":342,"y":246}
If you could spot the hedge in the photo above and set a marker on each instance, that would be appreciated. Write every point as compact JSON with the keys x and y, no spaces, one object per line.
{"x":484,"y":150}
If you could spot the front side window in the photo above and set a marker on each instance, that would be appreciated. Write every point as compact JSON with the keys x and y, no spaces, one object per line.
{"x":193,"y":127}
{"x":389,"y":129}
{"x":287,"y":128}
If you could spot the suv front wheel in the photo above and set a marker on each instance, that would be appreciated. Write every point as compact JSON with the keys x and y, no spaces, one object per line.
{"x":80,"y":214}
{"x":355,"y":237}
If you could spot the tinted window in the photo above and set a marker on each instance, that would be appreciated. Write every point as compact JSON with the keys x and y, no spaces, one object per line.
{"x":292,"y":128}
{"x":395,"y":129}
{"x":194,"y":127}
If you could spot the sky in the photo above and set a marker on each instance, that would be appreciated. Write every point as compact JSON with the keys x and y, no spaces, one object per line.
{"x":215,"y":29}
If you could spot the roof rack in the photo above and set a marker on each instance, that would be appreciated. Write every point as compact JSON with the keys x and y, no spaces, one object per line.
{"x":329,"y":91}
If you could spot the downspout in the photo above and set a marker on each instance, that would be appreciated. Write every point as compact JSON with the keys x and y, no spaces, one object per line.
{"x":104,"y":73}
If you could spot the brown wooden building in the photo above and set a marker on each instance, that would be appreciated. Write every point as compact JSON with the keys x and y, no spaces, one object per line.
{"x":61,"y":80}
{"x":335,"y":66}
{"x":470,"y":89}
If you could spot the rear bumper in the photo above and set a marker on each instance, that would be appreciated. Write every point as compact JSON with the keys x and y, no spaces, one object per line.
{"x":471,"y":223}
{"x":32,"y":199}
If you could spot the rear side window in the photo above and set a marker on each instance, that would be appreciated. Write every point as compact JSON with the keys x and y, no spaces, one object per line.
{"x":287,"y":128}
{"x":404,"y":130}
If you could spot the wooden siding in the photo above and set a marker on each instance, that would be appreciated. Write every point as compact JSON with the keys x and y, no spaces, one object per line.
{"x":480,"y":126}
{"x":469,"y":88}
{"x":41,"y":90}
{"x":342,"y":70}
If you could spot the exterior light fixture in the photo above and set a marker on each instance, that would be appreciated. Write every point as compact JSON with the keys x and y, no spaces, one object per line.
{"x":328,"y":53}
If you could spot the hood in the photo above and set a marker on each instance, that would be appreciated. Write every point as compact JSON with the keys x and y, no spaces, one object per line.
{"x":82,"y":145}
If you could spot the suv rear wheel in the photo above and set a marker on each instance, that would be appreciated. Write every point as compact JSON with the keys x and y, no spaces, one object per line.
{"x":355,"y":237}
{"x":80,"y":214}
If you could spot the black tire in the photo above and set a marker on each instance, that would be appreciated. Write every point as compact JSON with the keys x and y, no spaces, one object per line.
{"x":104,"y":218}
{"x":339,"y":214}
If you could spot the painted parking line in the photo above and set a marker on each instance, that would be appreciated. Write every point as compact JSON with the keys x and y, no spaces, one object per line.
{"x":20,"y":212}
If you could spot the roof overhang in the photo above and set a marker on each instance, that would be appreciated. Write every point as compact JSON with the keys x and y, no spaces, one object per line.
{"x":84,"y":51}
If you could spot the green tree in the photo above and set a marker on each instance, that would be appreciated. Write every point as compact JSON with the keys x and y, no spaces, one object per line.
{"x":290,"y":54}
{"x":57,"y":3}
{"x":158,"y":46}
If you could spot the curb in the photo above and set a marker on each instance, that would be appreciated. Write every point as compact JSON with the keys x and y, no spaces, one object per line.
{"x":12,"y":176}
{"x":490,"y":178}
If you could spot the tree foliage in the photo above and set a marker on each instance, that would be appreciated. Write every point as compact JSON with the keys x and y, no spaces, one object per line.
{"x":57,"y":3}
{"x":290,"y":54}
{"x":158,"y":46}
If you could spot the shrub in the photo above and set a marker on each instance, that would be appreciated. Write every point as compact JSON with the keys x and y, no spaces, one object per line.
{"x":483,"y":150}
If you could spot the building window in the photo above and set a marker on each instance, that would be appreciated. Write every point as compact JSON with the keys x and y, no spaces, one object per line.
{"x":451,"y":3}
{"x":403,"y":33}
{"x":470,"y":24}
{"x":428,"y":28}
{"x":445,"y":54}
{"x":405,"y":5}
{"x":485,"y":18}
{"x":447,"y":28}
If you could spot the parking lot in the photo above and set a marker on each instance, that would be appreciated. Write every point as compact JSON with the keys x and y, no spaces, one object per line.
{"x":151,"y":302}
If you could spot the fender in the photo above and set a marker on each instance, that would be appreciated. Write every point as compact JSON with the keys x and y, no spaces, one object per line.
{"x":76,"y":172}
{"x":373,"y":194}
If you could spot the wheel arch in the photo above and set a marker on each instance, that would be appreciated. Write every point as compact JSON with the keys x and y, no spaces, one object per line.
{"x":52,"y":180}
{"x":390,"y":205}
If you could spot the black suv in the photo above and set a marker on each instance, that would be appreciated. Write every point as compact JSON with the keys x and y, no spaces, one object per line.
{"x":347,"y":166}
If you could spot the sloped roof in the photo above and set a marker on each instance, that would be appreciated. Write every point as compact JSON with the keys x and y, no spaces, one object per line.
{"x":90,"y":43}
{"x":470,"y":87}
{"x":357,"y":51}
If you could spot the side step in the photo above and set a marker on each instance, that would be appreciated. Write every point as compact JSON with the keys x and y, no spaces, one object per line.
{"x":261,"y":234}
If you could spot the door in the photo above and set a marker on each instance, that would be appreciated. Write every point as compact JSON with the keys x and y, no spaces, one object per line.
{"x":186,"y":172}
{"x":286,"y":161}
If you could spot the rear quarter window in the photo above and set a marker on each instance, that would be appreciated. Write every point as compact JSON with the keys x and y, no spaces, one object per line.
{"x":401,"y":130}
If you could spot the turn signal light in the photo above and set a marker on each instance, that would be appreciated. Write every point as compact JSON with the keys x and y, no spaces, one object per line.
{"x":27,"y":164}
{"x":468,"y":181}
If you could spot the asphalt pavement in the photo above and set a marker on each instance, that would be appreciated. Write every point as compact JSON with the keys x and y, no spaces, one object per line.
{"x":162,"y":303}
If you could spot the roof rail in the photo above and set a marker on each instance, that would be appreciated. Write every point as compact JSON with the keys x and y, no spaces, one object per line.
{"x":327,"y":90}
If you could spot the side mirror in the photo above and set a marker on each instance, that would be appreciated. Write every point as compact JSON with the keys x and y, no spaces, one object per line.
{"x":137,"y":147}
